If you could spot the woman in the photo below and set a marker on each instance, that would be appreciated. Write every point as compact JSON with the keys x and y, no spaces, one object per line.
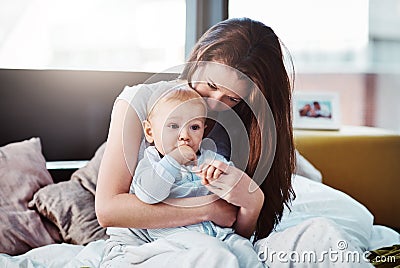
{"x":238,"y":48}
{"x":253,"y":49}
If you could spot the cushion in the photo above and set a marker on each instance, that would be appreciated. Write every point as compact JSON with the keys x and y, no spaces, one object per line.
{"x":70,"y":204}
{"x":306,"y":169}
{"x":315,"y":199}
{"x":71,"y":208}
{"x":87,"y":175}
{"x":22,"y":172}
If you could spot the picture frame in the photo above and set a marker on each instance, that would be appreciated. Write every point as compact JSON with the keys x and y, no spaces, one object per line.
{"x":316,"y":110}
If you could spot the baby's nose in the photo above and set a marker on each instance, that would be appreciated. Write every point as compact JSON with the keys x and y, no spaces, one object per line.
{"x":184,"y":134}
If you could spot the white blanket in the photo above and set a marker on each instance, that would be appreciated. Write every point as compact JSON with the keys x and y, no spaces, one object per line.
{"x":65,"y":255}
{"x":57,"y":255}
{"x":345,"y":228}
{"x":182,"y":249}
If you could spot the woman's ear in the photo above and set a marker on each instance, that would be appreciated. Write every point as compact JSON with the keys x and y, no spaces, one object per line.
{"x":148,"y":132}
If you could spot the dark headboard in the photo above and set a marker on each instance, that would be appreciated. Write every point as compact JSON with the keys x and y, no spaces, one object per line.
{"x":69,"y":110}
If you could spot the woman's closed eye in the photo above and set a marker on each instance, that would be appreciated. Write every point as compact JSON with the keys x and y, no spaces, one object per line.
{"x":212,"y":85}
{"x":230,"y":98}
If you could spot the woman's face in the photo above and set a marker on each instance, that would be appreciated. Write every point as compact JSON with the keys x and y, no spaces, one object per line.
{"x":219,"y":85}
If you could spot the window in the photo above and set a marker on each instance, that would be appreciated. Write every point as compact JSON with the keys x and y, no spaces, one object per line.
{"x":330,"y":34}
{"x":128,"y":35}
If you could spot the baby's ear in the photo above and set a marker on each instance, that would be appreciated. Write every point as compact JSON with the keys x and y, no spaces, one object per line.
{"x":148,"y":132}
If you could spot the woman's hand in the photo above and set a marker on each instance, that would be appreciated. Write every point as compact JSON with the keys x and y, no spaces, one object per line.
{"x":222,"y":213}
{"x":230,"y":183}
{"x":215,"y":209}
{"x":237,"y":188}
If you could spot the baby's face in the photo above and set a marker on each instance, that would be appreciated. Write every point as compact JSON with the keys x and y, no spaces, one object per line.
{"x":175,"y":123}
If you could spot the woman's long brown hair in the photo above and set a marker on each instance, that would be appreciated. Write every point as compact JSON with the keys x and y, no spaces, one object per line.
{"x":254,"y":49}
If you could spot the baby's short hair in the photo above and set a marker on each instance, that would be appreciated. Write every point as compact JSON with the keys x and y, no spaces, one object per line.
{"x":181,"y":93}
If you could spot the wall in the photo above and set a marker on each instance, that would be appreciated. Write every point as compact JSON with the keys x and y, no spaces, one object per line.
{"x":351,"y":89}
{"x":365,"y":99}
{"x":388,"y":102}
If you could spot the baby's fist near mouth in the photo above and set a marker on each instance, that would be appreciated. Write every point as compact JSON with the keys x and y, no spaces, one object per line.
{"x":184,"y":155}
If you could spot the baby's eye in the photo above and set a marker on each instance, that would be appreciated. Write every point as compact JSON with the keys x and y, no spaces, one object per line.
{"x":195,"y":127}
{"x":173,"y":126}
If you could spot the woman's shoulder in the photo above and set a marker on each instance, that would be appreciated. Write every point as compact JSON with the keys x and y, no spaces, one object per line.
{"x":138,"y":96}
{"x":143,"y":90}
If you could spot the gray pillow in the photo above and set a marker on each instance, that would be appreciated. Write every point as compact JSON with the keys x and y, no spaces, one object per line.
{"x":70,"y":204}
{"x":71,"y":208}
{"x":22,"y":172}
{"x":87,"y":175}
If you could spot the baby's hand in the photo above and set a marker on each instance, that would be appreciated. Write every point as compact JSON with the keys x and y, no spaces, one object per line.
{"x":184,"y":154}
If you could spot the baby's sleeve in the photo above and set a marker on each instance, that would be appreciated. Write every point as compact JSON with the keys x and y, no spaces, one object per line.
{"x":153,"y":180}
{"x":208,"y":155}
{"x":223,"y":159}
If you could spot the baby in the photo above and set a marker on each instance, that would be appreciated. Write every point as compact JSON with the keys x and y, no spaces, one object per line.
{"x":175,"y":126}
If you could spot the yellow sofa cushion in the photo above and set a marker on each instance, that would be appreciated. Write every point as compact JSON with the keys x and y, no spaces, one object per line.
{"x":363,"y":162}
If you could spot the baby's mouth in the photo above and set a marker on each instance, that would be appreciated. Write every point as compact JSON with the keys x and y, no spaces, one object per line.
{"x":187,"y":144}
{"x":184,"y":143}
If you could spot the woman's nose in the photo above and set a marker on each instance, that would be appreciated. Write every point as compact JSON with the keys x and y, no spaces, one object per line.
{"x":214,"y":99}
{"x":216,"y":95}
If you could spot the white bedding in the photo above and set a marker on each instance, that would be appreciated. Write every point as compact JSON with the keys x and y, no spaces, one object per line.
{"x":313,"y":200}
{"x":65,"y":255}
{"x":57,"y":255}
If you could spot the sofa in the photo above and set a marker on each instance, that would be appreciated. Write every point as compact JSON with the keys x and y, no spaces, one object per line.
{"x":363,"y":162}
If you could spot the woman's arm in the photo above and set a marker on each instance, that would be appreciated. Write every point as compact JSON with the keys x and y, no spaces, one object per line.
{"x":237,"y":188}
{"x":248,"y":214}
{"x":115,"y":207}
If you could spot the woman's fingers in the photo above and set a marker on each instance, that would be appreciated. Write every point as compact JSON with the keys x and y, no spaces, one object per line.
{"x":223,"y":184}
{"x":230,"y":187}
{"x":234,"y":186}
{"x":219,"y":165}
{"x":213,"y":169}
{"x":217,"y":173}
{"x":210,"y":173}
{"x":219,"y":189}
{"x":203,"y":171}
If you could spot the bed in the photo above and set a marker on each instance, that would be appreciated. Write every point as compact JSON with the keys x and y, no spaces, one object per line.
{"x":54,"y":125}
